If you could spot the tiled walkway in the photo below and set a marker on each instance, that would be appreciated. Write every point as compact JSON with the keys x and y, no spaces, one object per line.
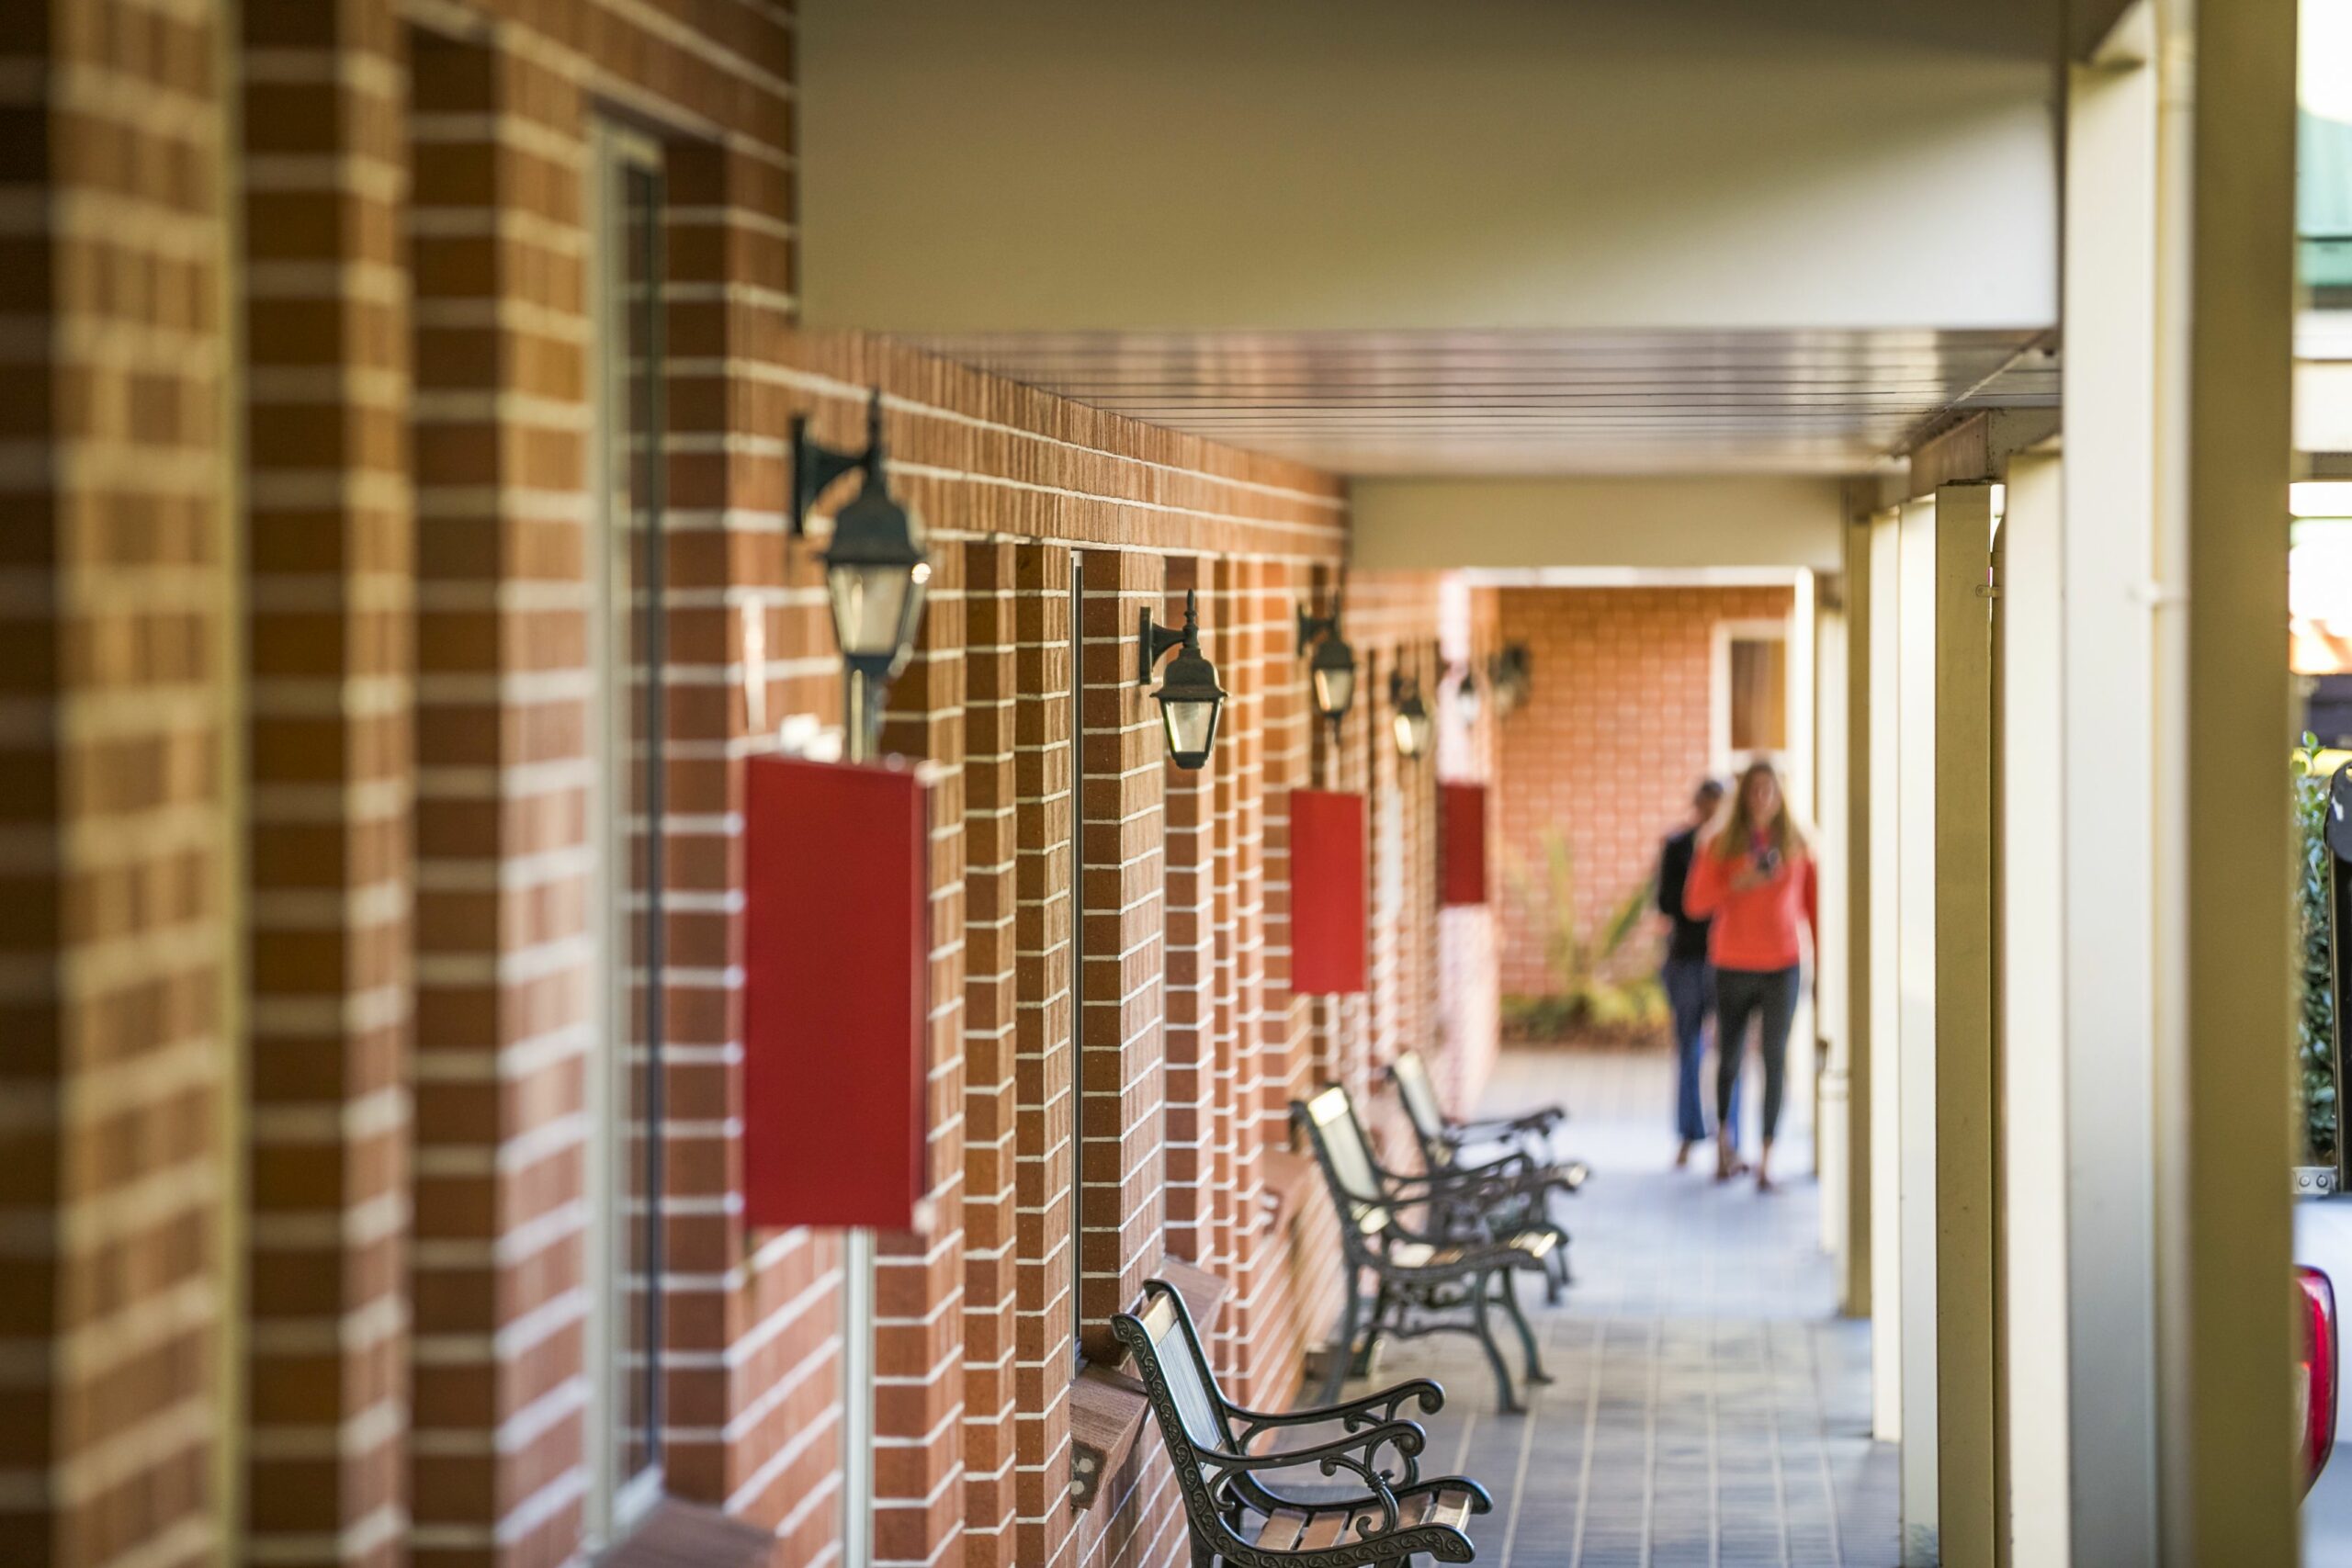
{"x":1708,"y":1407}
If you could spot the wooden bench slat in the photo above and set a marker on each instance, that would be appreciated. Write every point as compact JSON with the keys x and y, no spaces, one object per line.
{"x":1340,"y":1525}
{"x":1283,"y":1527}
{"x":1410,"y":1511}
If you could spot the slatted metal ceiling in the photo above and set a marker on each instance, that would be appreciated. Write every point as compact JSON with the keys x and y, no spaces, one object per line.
{"x":1568,"y":402}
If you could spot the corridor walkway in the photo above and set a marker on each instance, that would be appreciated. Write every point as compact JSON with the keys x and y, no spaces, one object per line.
{"x":1708,"y":1407}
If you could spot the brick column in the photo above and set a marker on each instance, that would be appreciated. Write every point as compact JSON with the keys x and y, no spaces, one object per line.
{"x":1189,"y":1038}
{"x":331,"y":555}
{"x":1044,"y":1064}
{"x":919,"y":1277}
{"x":1120,"y":1111}
{"x":990,"y":893}
{"x":508,"y":866}
{"x":117,"y":948}
{"x":1237,"y":957}
{"x":753,"y":1359}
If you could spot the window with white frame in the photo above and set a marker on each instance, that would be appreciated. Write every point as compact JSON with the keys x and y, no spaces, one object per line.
{"x":626,"y":259}
{"x":1750,"y":708}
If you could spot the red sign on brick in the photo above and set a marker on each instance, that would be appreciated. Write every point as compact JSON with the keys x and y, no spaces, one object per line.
{"x":1329,"y":933}
{"x":1462,"y":843}
{"x":836,"y":961}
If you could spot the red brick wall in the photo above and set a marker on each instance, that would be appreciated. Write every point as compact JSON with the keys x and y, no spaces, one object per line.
{"x":420,"y":870}
{"x":1607,"y":748}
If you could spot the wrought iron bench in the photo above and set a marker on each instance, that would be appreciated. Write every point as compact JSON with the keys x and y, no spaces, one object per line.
{"x":1235,"y":1512}
{"x":1440,"y":1255}
{"x":1493,"y":1201}
{"x":1442,"y":1139}
{"x":1525,"y":1143}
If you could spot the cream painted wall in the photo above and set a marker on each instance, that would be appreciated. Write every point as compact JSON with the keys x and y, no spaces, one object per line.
{"x":1434,"y":523}
{"x":1353,"y":164}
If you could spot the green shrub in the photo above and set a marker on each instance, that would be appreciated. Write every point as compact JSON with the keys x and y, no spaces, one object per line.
{"x":2315,"y":1020}
{"x":1593,"y":991}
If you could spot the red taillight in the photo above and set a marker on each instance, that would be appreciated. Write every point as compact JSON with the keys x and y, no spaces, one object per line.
{"x":2317,"y":1392}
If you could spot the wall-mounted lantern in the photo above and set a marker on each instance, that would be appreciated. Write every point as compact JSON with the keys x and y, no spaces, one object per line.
{"x":876,"y":572}
{"x":1190,"y":699}
{"x":1331,"y":663}
{"x":1411,"y":719}
{"x":1511,"y":675}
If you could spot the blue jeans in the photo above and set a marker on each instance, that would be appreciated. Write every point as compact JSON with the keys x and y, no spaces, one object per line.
{"x":1690,"y":993}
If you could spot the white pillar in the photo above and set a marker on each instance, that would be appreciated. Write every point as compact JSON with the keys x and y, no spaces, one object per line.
{"x":2107,"y":801}
{"x":2032,"y":611}
{"x":1831,"y":1127}
{"x":1887,"y":1406}
{"x":1914,"y":948}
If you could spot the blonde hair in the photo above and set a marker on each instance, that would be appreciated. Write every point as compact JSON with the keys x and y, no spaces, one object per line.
{"x":1739,"y":830}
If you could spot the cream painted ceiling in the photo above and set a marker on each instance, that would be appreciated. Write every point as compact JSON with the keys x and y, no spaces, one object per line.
{"x":1816,"y":402}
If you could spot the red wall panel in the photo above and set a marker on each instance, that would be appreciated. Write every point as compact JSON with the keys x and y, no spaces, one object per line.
{"x":1330,"y":930}
{"x":835,"y":979}
{"x":1462,"y":843}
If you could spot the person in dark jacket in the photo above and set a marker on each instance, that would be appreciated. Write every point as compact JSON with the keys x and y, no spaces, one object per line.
{"x":1689,"y":982}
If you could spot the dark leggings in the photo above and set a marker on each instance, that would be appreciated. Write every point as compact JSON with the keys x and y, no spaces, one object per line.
{"x":1740,"y":995}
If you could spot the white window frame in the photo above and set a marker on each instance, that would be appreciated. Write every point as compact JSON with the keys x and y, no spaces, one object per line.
{"x":616,"y":1505}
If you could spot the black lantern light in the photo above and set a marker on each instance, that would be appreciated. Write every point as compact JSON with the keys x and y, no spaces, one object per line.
{"x":1511,"y":675}
{"x":876,"y":570}
{"x":1190,"y":699}
{"x":1331,"y":664}
{"x":1411,"y":719}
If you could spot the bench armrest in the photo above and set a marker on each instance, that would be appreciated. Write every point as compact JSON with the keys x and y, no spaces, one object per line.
{"x":1358,"y":1453}
{"x":1486,"y":1129}
{"x":1479,"y":1188}
{"x":1378,"y":1407}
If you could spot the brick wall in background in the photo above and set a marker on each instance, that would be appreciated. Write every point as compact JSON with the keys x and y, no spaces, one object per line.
{"x":1606,"y":749}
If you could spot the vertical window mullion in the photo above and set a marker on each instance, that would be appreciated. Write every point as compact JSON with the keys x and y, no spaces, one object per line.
{"x":629,"y":661}
{"x":1077,"y":952}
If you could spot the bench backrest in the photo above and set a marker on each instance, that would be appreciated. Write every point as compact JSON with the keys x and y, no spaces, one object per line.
{"x":1168,"y":1355}
{"x":1346,"y":1157}
{"x":1419,"y":1097}
{"x":1165,"y":1350}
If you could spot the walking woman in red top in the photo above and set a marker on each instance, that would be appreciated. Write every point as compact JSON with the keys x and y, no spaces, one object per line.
{"x":1755,"y":878}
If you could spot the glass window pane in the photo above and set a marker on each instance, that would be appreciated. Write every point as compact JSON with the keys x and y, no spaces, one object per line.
{"x":1759,"y":695}
{"x":629,"y":421}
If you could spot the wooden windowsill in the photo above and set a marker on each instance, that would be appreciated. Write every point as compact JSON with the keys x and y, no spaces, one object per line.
{"x":1287,"y":1178}
{"x":1107,"y":1416}
{"x":684,"y":1535}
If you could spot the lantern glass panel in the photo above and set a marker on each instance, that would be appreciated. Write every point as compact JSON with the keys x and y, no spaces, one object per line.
{"x":1191,"y":728}
{"x":1335,"y":689}
{"x":875,"y":607}
{"x":1412,"y":732}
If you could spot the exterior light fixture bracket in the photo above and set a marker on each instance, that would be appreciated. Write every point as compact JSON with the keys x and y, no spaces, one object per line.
{"x":1153,"y":640}
{"x":1312,"y":627}
{"x":814,"y":466}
